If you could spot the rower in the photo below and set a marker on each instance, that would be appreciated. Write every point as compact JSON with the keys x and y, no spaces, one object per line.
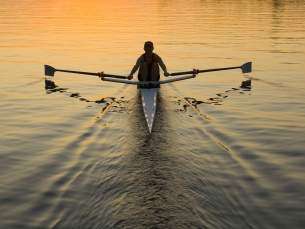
{"x":148,"y":65}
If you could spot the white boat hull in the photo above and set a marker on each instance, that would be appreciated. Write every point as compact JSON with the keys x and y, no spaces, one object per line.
{"x":149,"y":104}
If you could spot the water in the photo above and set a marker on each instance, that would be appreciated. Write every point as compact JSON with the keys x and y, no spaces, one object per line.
{"x":220,"y":156}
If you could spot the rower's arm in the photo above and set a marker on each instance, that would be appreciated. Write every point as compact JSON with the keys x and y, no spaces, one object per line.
{"x":135,"y":68}
{"x":162,"y":65}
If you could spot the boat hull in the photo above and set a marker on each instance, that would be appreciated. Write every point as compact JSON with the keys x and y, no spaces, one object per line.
{"x":149,"y":105}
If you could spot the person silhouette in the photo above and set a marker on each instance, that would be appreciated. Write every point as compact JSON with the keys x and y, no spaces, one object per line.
{"x":148,"y":65}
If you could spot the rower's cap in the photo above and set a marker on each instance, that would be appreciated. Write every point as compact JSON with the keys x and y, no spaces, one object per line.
{"x":148,"y":44}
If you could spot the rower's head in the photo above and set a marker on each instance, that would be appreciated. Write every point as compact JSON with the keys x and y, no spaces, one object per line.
{"x":148,"y":47}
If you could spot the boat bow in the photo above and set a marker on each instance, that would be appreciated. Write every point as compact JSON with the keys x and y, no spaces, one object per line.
{"x":149,"y":104}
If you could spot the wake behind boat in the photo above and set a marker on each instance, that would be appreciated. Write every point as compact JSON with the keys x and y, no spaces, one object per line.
{"x":148,"y":89}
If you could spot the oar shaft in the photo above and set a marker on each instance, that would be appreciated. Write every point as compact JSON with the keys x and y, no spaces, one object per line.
{"x":217,"y":69}
{"x":196,"y":71}
{"x":181,"y":73}
{"x":79,"y":72}
{"x":92,"y":74}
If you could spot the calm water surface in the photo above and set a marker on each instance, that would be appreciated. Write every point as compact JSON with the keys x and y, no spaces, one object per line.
{"x":78,"y":155}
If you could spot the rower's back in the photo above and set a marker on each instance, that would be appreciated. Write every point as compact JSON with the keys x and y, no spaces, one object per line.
{"x":149,"y":68}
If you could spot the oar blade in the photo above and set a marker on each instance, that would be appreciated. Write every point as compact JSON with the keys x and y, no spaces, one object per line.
{"x":49,"y":70}
{"x":247,"y":67}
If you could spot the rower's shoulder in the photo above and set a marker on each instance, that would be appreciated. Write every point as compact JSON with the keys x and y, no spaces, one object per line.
{"x":157,"y":56}
{"x":141,"y":57}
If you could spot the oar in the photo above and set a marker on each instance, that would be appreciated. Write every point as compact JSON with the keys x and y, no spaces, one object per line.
{"x":247,"y":67}
{"x":50,"y":71}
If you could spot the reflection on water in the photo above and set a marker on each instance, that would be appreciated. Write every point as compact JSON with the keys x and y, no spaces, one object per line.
{"x":226,"y":151}
{"x":117,"y":104}
{"x":219,"y":99}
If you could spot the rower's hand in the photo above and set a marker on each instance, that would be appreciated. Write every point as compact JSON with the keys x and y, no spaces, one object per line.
{"x":166,"y":74}
{"x":130,"y":77}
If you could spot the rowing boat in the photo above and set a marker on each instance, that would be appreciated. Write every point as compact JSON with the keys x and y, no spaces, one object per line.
{"x":149,"y":104}
{"x":148,"y":95}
